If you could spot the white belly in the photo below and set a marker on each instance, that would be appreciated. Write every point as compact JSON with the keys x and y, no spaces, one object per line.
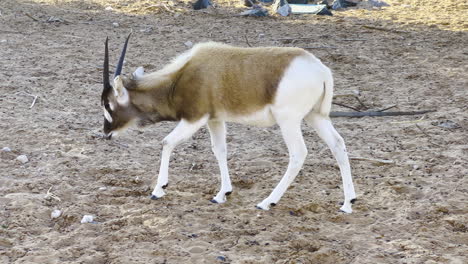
{"x":263,"y":118}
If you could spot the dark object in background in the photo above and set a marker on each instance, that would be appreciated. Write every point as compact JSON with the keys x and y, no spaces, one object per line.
{"x":325,"y":11}
{"x":249,"y":3}
{"x":378,"y":3}
{"x":325,"y":2}
{"x":321,"y":10}
{"x":256,"y":11}
{"x":201,"y":4}
{"x":298,"y":1}
{"x":338,"y":4}
{"x":282,"y":7}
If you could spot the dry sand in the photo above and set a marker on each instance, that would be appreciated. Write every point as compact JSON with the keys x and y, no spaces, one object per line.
{"x":412,"y":55}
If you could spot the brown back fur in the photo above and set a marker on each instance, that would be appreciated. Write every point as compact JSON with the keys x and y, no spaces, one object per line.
{"x":216,"y":78}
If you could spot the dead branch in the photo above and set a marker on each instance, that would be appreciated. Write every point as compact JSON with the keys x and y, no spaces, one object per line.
{"x":247,"y":40}
{"x":386,"y":108}
{"x":347,"y":106}
{"x":375,"y":113}
{"x":353,"y":39}
{"x":319,"y":47}
{"x":429,"y":137}
{"x":31,"y":17}
{"x":384,"y":29}
{"x":28,"y":94}
{"x":382,"y":161}
{"x":33,"y":102}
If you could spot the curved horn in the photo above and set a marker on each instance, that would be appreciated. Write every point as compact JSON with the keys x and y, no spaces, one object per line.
{"x":105,"y":79}
{"x":118,"y":70}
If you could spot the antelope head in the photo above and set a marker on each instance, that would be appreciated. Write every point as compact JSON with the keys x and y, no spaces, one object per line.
{"x":119,"y":112}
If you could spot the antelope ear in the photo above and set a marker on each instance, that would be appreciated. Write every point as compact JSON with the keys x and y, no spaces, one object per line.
{"x":120,"y":91}
{"x":138,"y":74}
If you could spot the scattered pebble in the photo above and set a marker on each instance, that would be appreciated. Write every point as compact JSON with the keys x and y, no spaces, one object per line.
{"x":53,"y":19}
{"x":109,"y":8}
{"x":22,"y":158}
{"x":6,"y":149}
{"x":448,"y":124}
{"x":3,"y":41}
{"x":257,"y":12}
{"x":416,"y":167}
{"x":221,"y":258}
{"x":196,"y":250}
{"x":188,"y":44}
{"x":102,"y":188}
{"x":115,"y":24}
{"x":87,"y":219}
{"x":378,"y":3}
{"x":55,"y":214}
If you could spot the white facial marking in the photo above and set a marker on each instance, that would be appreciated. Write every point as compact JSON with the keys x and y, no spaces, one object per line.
{"x":112,"y":106}
{"x":107,"y":115}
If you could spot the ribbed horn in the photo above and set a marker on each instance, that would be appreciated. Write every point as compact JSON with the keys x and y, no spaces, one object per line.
{"x":105,"y":75}
{"x":118,"y":70}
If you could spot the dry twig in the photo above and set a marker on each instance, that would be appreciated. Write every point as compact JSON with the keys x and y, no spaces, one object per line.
{"x":382,"y":161}
{"x":427,"y":135}
{"x":346,"y":106}
{"x":373,"y":113}
{"x":31,"y":17}
{"x":386,"y":108}
{"x":320,"y":47}
{"x":247,"y":40}
{"x":50,"y":195}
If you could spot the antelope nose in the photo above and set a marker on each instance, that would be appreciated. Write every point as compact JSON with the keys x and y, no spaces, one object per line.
{"x":109,"y":136}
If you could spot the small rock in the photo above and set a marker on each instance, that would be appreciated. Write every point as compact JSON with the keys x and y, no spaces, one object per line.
{"x":378,"y":3}
{"x":257,"y":11}
{"x":339,"y":4}
{"x":282,"y":7}
{"x":55,"y":214}
{"x":102,"y":188}
{"x":3,"y":41}
{"x":196,"y":250}
{"x":448,"y":124}
{"x":221,"y":258}
{"x":22,"y":158}
{"x":6,"y":149}
{"x":87,"y":219}
{"x":115,"y":24}
{"x":109,"y":8}
{"x":416,"y":167}
{"x":201,"y":4}
{"x":188,"y":44}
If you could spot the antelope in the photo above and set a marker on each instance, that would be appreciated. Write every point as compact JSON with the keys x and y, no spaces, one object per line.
{"x":214,"y":83}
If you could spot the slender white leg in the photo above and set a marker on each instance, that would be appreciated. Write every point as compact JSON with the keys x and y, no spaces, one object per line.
{"x":335,"y":142}
{"x":292,"y":134}
{"x":218,"y":144}
{"x":183,"y":131}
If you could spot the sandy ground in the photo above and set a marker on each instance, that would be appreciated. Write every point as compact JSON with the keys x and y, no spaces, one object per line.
{"x":414,"y":210}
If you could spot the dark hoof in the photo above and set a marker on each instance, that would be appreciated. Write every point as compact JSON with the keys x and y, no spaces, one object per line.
{"x":258,"y":207}
{"x":213,"y":201}
{"x":154,"y":197}
{"x":165,"y":186}
{"x":352,"y":201}
{"x":272,"y":204}
{"x":228,"y":193}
